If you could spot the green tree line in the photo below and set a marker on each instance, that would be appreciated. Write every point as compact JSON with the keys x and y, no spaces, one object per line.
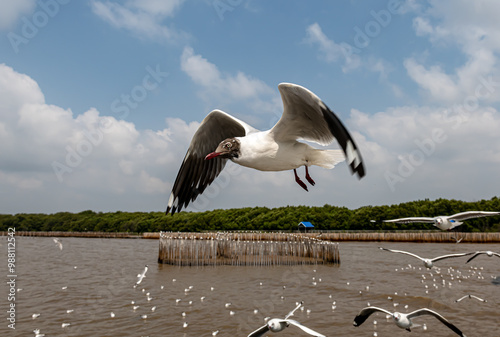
{"x":326,"y":217}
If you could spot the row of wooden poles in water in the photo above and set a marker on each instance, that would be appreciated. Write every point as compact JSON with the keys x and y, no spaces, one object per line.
{"x":269,"y":248}
{"x":245,"y":249}
{"x":395,"y":236}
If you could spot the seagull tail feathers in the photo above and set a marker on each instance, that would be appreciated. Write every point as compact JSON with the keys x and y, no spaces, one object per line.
{"x":327,"y":158}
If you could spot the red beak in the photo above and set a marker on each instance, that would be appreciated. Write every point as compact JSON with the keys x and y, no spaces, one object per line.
{"x":212,"y":155}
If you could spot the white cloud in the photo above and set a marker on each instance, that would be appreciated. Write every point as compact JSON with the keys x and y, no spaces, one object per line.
{"x":219,"y":88}
{"x":428,"y":149}
{"x":422,"y":26}
{"x":208,"y":76}
{"x":142,"y":18}
{"x":434,"y":80}
{"x":122,"y":168}
{"x":199,"y":69}
{"x":12,"y":11}
{"x":471,"y":26}
{"x":156,"y":7}
{"x":87,"y":161}
{"x":331,"y":51}
{"x":18,"y":89}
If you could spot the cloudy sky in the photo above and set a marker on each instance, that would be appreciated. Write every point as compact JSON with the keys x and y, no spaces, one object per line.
{"x":99,"y":99}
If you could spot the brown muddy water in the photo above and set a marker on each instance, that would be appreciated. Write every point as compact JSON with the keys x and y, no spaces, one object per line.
{"x":89,"y":279}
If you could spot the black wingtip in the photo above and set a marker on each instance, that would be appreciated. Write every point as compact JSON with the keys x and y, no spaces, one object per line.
{"x":171,"y":210}
{"x":358,"y":320}
{"x":360,"y":170}
{"x":346,"y":142}
{"x":472,"y":257}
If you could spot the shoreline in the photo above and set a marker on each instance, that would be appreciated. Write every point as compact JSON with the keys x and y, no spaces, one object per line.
{"x":429,"y":237}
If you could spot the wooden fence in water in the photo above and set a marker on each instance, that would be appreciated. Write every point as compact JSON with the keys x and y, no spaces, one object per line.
{"x":396,"y":236}
{"x":245,"y":249}
{"x":101,"y":235}
{"x":428,"y":237}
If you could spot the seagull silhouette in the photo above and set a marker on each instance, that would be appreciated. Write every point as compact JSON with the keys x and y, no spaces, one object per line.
{"x":404,"y":320}
{"x":140,"y":277}
{"x":470,"y":296}
{"x":487,"y":252}
{"x":444,"y":222}
{"x":278,"y":324}
{"x":58,"y":242}
{"x":429,"y":263}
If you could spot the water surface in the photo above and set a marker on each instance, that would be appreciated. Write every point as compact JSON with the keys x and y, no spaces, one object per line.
{"x":95,"y":277}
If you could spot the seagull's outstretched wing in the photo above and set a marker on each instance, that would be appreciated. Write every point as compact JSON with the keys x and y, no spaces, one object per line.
{"x":450,"y":255}
{"x":461,"y":298}
{"x":196,"y":173}
{"x":470,"y":296}
{"x":425,"y":311}
{"x":58,"y":242}
{"x":366,"y":312}
{"x":259,"y":332}
{"x":411,"y":219}
{"x":476,"y":254}
{"x":306,"y":117}
{"x":291,"y":312}
{"x":141,"y":276}
{"x":471,"y":214}
{"x":402,"y":252}
{"x":478,"y":298}
{"x":304,"y":328}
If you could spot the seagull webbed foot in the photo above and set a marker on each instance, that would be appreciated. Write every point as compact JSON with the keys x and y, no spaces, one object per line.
{"x":300,"y":182}
{"x":308,"y":177}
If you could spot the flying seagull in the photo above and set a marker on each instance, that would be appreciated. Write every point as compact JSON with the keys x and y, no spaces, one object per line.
{"x":277,"y":324}
{"x":140,"y":277}
{"x":58,"y":242}
{"x":305,"y":117}
{"x":427,"y":262}
{"x":487,"y":252}
{"x":470,"y":296}
{"x":446,"y":222}
{"x":404,"y":320}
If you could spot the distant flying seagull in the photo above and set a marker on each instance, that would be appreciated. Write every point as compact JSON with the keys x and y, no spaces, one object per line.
{"x":58,"y":242}
{"x":427,"y":262}
{"x":305,"y":117}
{"x":38,"y":334}
{"x":470,"y":296}
{"x":404,"y":320}
{"x":446,"y":222}
{"x":487,"y":252}
{"x":277,"y":325}
{"x":140,"y":277}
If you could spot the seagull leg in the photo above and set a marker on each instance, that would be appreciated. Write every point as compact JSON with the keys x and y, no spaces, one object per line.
{"x":300,"y":182}
{"x":308,"y":177}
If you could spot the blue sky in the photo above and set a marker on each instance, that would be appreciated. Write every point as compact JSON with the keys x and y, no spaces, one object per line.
{"x":101,"y":98}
